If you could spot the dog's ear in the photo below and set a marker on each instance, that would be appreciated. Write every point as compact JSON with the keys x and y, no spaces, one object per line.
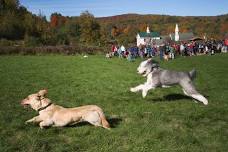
{"x":42,"y":93}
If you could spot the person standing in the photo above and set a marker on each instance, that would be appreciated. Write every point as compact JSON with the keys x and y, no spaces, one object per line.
{"x":171,"y":53}
{"x":122,"y":48}
{"x":161,"y":51}
{"x":182,"y":49}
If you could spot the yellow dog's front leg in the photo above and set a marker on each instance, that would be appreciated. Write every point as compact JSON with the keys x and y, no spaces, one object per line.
{"x":46,"y":123}
{"x":36,"y":119}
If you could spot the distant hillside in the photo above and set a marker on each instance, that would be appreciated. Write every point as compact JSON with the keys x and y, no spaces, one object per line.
{"x":212,"y":26}
{"x":18,"y":26}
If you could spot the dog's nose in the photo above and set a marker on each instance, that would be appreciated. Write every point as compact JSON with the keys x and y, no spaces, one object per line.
{"x":23,"y":102}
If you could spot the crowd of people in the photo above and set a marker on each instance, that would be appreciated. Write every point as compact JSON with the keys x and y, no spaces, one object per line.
{"x":169,"y":51}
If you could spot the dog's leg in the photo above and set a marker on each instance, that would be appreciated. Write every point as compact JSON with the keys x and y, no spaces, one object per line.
{"x":36,"y":119}
{"x":165,"y":86}
{"x":189,"y":90}
{"x":93,"y":118}
{"x":45,"y":124}
{"x":185,"y":92}
{"x":200,"y":98}
{"x":137,"y":88}
{"x":188,"y":95}
{"x":146,"y":88}
{"x":71,"y":124}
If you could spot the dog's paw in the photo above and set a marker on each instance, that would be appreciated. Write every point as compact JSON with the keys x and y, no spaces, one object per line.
{"x":133,"y":90}
{"x":144,"y":93}
{"x":205,"y":102}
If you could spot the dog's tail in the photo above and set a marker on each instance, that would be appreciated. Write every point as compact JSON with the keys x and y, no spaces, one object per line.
{"x":104,"y":122}
{"x":192,"y":74}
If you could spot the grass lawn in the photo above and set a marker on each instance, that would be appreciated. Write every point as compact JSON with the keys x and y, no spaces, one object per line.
{"x":165,"y":120}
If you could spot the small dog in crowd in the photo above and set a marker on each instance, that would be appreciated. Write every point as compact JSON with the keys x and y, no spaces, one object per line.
{"x":157,"y":77}
{"x":109,"y":55}
{"x":51,"y":114}
{"x":166,"y":57}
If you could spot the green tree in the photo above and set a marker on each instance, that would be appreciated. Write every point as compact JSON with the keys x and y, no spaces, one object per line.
{"x":11,"y":5}
{"x":105,"y":35}
{"x":73,"y":29}
{"x":11,"y":27}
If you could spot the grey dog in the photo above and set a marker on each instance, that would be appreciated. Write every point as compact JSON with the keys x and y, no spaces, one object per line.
{"x":158,"y":77}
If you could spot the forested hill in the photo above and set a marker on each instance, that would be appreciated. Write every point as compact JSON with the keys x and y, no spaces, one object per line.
{"x":212,"y":26}
{"x":17,"y":24}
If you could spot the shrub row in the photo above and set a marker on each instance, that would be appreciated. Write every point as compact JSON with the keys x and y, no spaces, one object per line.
{"x":63,"y":49}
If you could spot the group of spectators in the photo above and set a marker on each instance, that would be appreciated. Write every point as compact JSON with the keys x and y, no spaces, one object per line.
{"x":168,"y":51}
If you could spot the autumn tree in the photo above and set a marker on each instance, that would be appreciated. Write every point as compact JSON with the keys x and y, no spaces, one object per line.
{"x":89,"y":28}
{"x":115,"y":31}
{"x":57,"y":20}
{"x":142,"y":27}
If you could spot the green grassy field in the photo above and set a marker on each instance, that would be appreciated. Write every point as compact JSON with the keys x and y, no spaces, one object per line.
{"x":165,"y":120}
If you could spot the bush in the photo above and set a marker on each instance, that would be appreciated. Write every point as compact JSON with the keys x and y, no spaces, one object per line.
{"x":5,"y":42}
{"x":62,"y":49}
{"x":32,"y":41}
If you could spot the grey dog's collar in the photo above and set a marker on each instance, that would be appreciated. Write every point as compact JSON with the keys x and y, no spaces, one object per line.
{"x":155,"y":65}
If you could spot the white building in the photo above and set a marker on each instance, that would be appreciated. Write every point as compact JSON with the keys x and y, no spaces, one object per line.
{"x":177,"y":36}
{"x":144,"y":38}
{"x":177,"y":33}
{"x":154,"y":38}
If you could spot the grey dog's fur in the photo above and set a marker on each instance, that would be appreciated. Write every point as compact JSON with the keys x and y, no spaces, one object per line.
{"x":158,"y":77}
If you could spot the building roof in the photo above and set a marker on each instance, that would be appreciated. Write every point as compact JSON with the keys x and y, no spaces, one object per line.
{"x":183,"y":36}
{"x":196,"y":39}
{"x":151,"y":34}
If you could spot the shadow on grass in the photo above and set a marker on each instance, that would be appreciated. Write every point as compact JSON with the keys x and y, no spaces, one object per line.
{"x":114,"y":122}
{"x":172,"y":97}
{"x":80,"y":124}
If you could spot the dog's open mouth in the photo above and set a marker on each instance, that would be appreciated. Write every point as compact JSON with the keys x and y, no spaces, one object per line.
{"x":144,"y":72}
{"x":25,"y":105}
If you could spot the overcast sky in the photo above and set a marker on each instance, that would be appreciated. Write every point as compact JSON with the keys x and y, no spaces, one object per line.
{"x":101,"y":8}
